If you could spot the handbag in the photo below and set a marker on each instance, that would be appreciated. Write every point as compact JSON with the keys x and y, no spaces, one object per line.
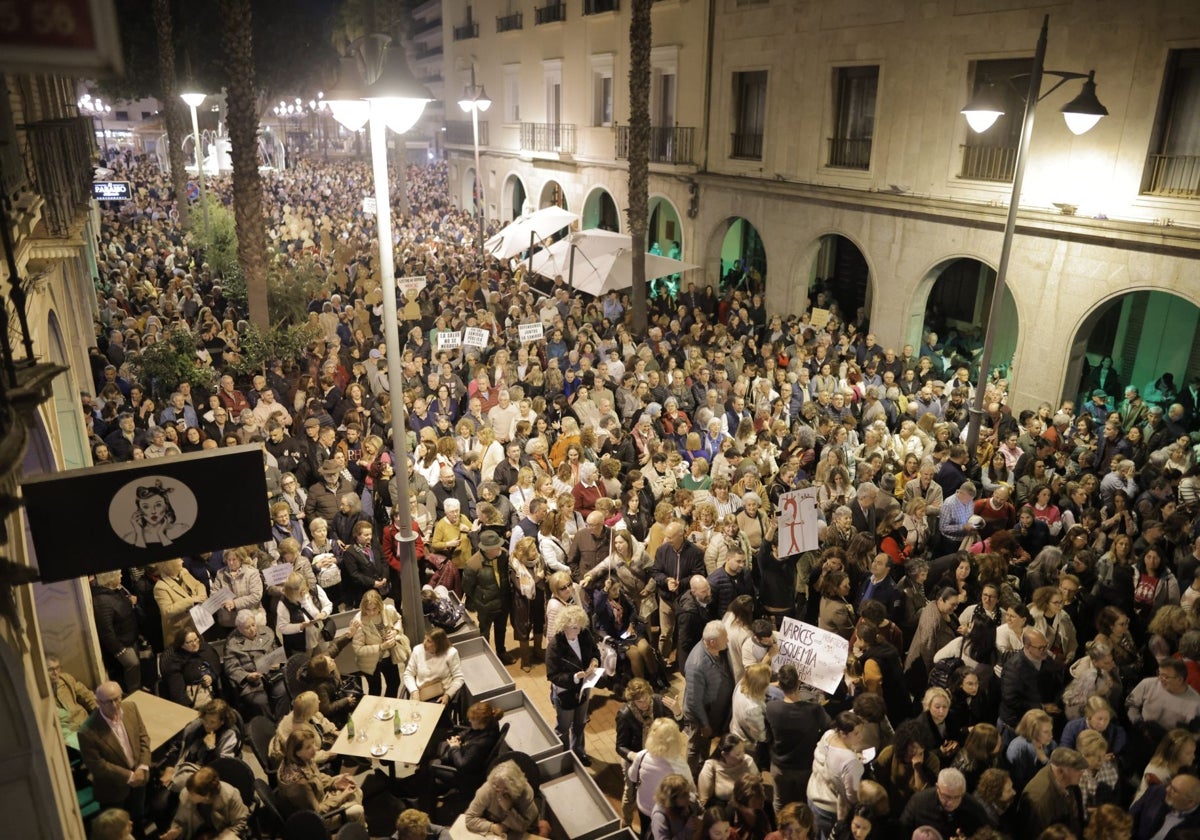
{"x":608,"y":656}
{"x":328,"y":576}
{"x":430,"y":690}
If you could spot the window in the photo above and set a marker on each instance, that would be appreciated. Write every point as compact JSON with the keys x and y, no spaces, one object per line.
{"x":602,"y":89}
{"x":749,"y":112}
{"x":123,"y":116}
{"x":552,"y":74}
{"x":992,"y":155}
{"x":854,"y":91}
{"x":512,"y":93}
{"x":1173,"y":166}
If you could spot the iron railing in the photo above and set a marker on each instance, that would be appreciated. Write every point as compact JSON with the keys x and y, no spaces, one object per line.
{"x":988,"y":163}
{"x":596,"y":7}
{"x":422,"y":53}
{"x":748,"y":146}
{"x":667,"y":144}
{"x":1173,"y":175}
{"x":466,"y":31}
{"x":548,"y":137}
{"x":508,"y":23}
{"x":553,"y":13}
{"x":458,"y":133}
{"x":847,"y":153}
{"x":60,"y":164}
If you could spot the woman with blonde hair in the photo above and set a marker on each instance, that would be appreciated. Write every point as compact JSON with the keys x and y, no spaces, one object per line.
{"x":528,"y":573}
{"x":665,"y":754}
{"x":504,"y":805}
{"x":305,"y":787}
{"x":490,"y":451}
{"x":306,"y":711}
{"x":1030,"y":751}
{"x":1100,"y":780}
{"x":1175,"y":753}
{"x":750,"y":703}
{"x":1109,"y":822}
{"x":380,"y":647}
{"x":568,"y":435}
{"x":300,"y":615}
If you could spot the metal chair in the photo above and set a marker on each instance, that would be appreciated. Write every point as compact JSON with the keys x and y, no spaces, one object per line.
{"x":305,"y":825}
{"x":261,"y":733}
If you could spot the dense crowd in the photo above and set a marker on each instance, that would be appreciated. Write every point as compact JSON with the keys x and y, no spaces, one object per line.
{"x":1024,"y":651}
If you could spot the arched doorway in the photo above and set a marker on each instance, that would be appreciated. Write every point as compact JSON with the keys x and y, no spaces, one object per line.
{"x":956,"y":312}
{"x":600,"y":211}
{"x":468,"y":191}
{"x":664,"y":228}
{"x":743,"y":258}
{"x":514,"y":197}
{"x":841,"y":274}
{"x":552,"y":194}
{"x":1146,"y":334}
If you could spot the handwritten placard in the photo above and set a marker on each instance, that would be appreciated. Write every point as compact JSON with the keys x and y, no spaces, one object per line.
{"x":475,"y":337}
{"x":368,"y":205}
{"x":449,"y":340}
{"x":798,"y":522}
{"x":819,"y":318}
{"x":277,"y":574}
{"x":411,"y":286}
{"x":818,"y":655}
{"x":531,"y":332}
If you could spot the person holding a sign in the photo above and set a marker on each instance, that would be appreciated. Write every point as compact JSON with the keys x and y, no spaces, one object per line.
{"x":253,"y":662}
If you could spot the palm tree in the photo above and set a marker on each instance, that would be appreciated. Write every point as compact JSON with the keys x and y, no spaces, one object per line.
{"x":241,"y":100}
{"x":640,"y":40}
{"x":172,"y":107}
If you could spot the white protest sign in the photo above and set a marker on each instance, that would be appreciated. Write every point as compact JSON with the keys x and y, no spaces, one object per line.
{"x":475,"y":337}
{"x":798,"y":522}
{"x":818,"y":655}
{"x":819,"y":318}
{"x":412,"y":285}
{"x":277,"y":574}
{"x":216,"y":601}
{"x":268,"y":662}
{"x":531,"y":332}
{"x":201,"y":617}
{"x":449,"y":340}
{"x":369,"y":205}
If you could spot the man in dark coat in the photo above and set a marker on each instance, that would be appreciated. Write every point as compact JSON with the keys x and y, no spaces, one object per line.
{"x":794,"y":725}
{"x":1021,"y":678}
{"x":947,"y":807}
{"x":1177,"y":801}
{"x":730,"y":581}
{"x":488,"y":591}
{"x":693,"y":610}
{"x":675,"y":562}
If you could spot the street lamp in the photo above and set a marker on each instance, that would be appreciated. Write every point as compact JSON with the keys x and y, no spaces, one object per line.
{"x":1080,"y":114}
{"x":393,"y":99}
{"x":475,"y":101}
{"x":195,"y":100}
{"x":96,"y":108}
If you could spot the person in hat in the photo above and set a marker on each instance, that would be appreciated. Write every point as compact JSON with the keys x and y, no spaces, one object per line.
{"x":324,"y":496}
{"x":1053,"y":796}
{"x":486,"y":585}
{"x":1098,"y":407}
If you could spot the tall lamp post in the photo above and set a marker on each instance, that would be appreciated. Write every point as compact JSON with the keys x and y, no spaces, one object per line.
{"x":475,"y":101}
{"x":95,"y":107}
{"x":1081,"y":113}
{"x":393,"y":99}
{"x":194,"y":101}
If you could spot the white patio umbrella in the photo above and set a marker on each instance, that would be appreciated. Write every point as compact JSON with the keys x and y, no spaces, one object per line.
{"x":599,"y":261}
{"x":526,"y":231}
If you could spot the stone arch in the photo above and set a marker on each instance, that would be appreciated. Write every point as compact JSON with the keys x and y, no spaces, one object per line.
{"x":467,"y":185}
{"x":820,"y":256}
{"x":736,"y":238}
{"x":664,"y":225}
{"x":513,"y":197}
{"x":553,"y":194}
{"x":600,"y":211}
{"x":1145,"y":330}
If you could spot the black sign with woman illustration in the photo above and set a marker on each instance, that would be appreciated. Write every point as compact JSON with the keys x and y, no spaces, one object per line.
{"x":146,"y":511}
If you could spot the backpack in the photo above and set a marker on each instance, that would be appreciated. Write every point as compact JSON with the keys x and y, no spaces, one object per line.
{"x":445,"y":574}
{"x":943,"y":671}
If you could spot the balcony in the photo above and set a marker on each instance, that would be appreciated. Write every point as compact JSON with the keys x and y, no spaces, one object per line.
{"x":1175,"y":176}
{"x":554,"y":13}
{"x":548,"y":137}
{"x":667,"y":144}
{"x":422,"y":53}
{"x":458,"y":133}
{"x":847,"y":153}
{"x":988,"y":163}
{"x":510,"y":23}
{"x":466,"y":32}
{"x":59,"y":155}
{"x":599,"y":7}
{"x":747,"y":146}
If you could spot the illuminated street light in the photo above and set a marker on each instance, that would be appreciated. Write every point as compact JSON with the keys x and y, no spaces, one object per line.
{"x":475,"y":101}
{"x":194,"y":100}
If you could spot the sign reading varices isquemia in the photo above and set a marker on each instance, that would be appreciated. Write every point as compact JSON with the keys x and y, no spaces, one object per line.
{"x":818,"y":655}
{"x":144,"y":511}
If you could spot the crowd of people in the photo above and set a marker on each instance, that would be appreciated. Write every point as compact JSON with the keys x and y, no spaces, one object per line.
{"x":1024,"y":650}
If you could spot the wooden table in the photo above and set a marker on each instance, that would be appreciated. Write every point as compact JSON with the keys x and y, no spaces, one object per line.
{"x":459,"y":831}
{"x":405,"y":750}
{"x":163,"y":718}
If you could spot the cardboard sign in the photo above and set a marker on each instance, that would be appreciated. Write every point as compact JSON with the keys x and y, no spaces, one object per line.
{"x":819,"y":318}
{"x":818,"y":655}
{"x":411,"y":286}
{"x":111,"y":190}
{"x":369,"y":206}
{"x":449,"y":340}
{"x":145,"y":511}
{"x":798,"y":518}
{"x":531,"y":332}
{"x":475,"y":337}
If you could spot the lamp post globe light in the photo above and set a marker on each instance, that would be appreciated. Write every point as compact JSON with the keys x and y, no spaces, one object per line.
{"x":475,"y":101}
{"x":194,"y":100}
{"x":96,"y":107}
{"x":981,"y":112}
{"x":393,"y":99}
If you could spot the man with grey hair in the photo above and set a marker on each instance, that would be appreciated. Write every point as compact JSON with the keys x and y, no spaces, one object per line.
{"x":947,"y":807}
{"x":862,"y":509}
{"x":254,"y":666}
{"x":693,"y":611}
{"x":708,"y":695}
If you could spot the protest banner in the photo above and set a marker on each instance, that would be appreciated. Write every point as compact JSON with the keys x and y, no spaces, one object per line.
{"x":411,"y":286}
{"x":819,"y":318}
{"x":818,"y":655}
{"x":531,"y":332}
{"x":475,"y":337}
{"x":797,"y":522}
{"x":449,"y":340}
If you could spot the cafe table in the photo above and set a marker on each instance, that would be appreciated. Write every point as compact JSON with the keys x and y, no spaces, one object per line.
{"x":163,"y":719}
{"x":459,"y":831}
{"x":375,"y":718}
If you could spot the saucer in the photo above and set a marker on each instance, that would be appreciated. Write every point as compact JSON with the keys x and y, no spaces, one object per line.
{"x":385,"y":714}
{"x":409,"y":728}
{"x":379,"y":750}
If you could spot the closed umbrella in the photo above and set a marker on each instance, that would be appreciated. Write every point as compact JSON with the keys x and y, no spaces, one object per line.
{"x":599,"y":261}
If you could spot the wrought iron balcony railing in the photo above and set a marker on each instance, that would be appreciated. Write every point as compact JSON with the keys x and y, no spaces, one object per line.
{"x":60,"y":163}
{"x":988,"y":163}
{"x":1173,"y":175}
{"x":596,"y":7}
{"x":553,"y":13}
{"x":508,"y":23}
{"x":846,"y":153}
{"x":466,"y":31}
{"x":747,"y":146}
{"x":548,"y":137}
{"x":667,"y":144}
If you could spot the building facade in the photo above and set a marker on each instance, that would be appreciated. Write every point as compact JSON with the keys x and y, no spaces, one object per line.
{"x":825,"y":150}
